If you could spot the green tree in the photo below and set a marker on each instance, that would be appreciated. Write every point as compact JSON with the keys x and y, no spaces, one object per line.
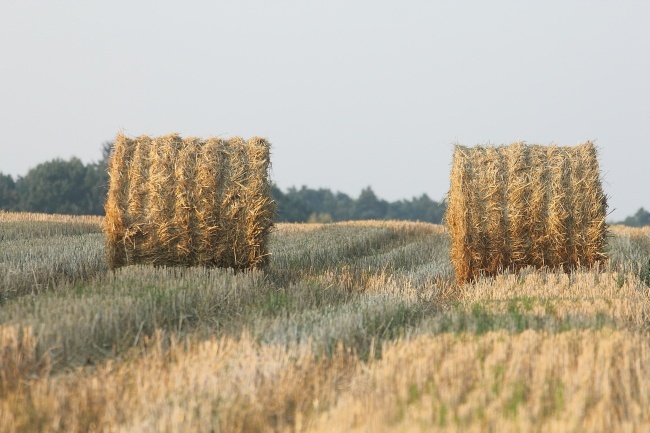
{"x":369,"y":207}
{"x":417,"y":209}
{"x":323,"y":201}
{"x":305,"y":204}
{"x":639,"y":219}
{"x":289,"y":208}
{"x":8,"y":197}
{"x":343,"y":207}
{"x":58,"y":186}
{"x":100,"y":179}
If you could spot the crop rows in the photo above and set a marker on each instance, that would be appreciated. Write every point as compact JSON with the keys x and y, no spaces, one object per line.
{"x":352,"y":327}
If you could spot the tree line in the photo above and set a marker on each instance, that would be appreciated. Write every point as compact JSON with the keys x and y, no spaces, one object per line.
{"x":639,"y":219}
{"x":322,"y":205}
{"x":72,"y":187}
{"x":59,"y":186}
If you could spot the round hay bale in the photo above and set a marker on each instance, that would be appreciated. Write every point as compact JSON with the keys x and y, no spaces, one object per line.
{"x":174,"y":201}
{"x":515,"y":206}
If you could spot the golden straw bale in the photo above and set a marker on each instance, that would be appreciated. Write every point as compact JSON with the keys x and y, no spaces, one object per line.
{"x":521,"y":205}
{"x":117,"y":219}
{"x":175,"y":201}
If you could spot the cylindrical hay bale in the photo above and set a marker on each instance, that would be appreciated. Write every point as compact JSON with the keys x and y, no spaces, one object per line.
{"x":517,"y":222}
{"x":260,"y":219}
{"x":117,"y":218}
{"x":211,"y":172}
{"x":175,"y":201}
{"x":185,"y":218}
{"x":138,"y":200}
{"x":521,"y":205}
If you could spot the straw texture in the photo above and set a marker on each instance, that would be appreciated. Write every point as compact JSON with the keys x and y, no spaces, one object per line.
{"x":522,"y":205}
{"x":175,"y":201}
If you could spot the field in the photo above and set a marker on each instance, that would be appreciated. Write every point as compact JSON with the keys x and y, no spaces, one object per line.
{"x":354,"y":327}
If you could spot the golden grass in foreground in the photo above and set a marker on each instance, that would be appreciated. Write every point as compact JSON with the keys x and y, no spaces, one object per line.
{"x":597,"y":381}
{"x":352,"y":327}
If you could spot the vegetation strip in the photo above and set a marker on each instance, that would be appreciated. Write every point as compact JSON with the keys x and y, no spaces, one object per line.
{"x":352,"y":327}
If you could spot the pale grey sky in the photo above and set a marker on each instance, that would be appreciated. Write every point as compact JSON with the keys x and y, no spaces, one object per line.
{"x":350,"y":93}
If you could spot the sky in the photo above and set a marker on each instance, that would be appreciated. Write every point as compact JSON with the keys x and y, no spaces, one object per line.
{"x":350,"y":93}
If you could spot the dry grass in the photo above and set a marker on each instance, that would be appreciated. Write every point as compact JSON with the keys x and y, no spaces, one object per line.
{"x":174,"y":201}
{"x":351,"y":327}
{"x":534,"y":381}
{"x":111,"y":311}
{"x":525,"y":205}
{"x":593,"y":381}
{"x":33,"y":266}
{"x":38,"y":251}
{"x":74,"y":220}
{"x":21,"y":225}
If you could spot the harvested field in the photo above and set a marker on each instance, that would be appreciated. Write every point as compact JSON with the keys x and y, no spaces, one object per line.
{"x":351,"y":327}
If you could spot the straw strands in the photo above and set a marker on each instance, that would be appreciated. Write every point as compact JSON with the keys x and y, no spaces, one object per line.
{"x":522,"y":205}
{"x":175,"y":201}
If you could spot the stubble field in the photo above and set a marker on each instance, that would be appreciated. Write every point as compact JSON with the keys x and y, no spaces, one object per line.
{"x":353,"y":327}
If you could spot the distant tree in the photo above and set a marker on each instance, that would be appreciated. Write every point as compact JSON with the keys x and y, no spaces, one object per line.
{"x":343,"y":207}
{"x":100,"y":187}
{"x":418,"y":209}
{"x":322,"y":201}
{"x":369,"y":207}
{"x":306,"y":204}
{"x":70,"y":187}
{"x":58,"y":186}
{"x":639,"y":219}
{"x":288,"y":207}
{"x":312,"y":199}
{"x":8,"y":196}
{"x":107,"y":151}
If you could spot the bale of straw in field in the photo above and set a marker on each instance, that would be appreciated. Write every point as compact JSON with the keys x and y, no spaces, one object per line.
{"x":522,"y":205}
{"x":175,"y":201}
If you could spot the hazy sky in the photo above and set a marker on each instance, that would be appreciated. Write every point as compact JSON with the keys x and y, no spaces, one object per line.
{"x":350,"y":93}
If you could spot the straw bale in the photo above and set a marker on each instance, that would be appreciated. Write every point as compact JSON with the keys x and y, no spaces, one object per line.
{"x":175,"y":201}
{"x":515,"y":206}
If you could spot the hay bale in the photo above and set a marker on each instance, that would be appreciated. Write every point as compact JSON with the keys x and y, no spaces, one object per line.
{"x":175,"y":201}
{"x":521,"y":205}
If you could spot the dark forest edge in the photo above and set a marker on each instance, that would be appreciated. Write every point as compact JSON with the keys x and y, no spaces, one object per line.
{"x":74,"y":188}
